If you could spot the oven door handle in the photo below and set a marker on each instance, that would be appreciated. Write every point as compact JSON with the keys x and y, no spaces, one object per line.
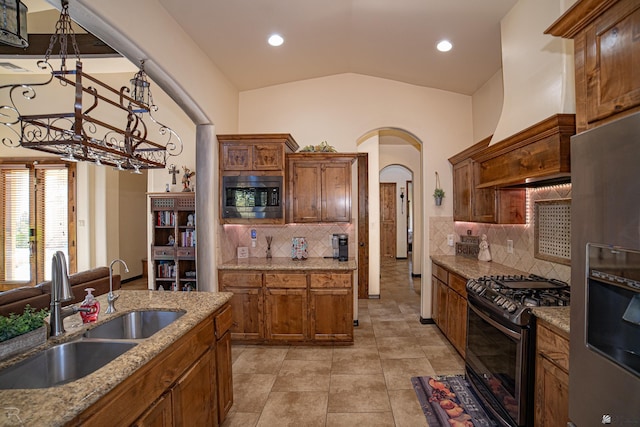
{"x":501,"y":328}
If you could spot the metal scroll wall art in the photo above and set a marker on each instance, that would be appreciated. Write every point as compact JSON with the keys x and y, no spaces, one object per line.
{"x":79,"y":135}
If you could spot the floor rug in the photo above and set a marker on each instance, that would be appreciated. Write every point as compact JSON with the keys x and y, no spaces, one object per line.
{"x":448,"y":401}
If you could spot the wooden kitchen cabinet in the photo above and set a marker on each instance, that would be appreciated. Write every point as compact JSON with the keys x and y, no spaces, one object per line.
{"x":299,"y":307}
{"x":286,"y":306}
{"x":194,"y":396}
{"x":319,"y":187}
{"x":246,"y":154}
{"x":552,"y":376}
{"x":159,"y":415}
{"x":246,"y":303}
{"x":474,"y":204}
{"x":449,"y":305}
{"x":606,"y":51}
{"x":224,"y":380}
{"x":331,"y":304}
{"x":179,"y":387}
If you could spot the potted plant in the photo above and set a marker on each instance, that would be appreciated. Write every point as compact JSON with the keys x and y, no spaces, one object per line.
{"x":19,"y":332}
{"x":438,"y":194}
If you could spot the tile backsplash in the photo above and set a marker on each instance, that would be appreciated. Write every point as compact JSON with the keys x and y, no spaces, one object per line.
{"x":522,"y":257}
{"x":318,"y":238}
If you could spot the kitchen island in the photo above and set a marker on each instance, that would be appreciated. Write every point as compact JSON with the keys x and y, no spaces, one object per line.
{"x":137,"y":383}
{"x":280,"y":300}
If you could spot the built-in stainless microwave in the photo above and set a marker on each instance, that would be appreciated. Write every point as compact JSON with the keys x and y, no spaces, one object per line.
{"x":252,"y":197}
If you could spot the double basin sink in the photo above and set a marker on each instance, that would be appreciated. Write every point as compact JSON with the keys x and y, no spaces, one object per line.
{"x":70,"y":361}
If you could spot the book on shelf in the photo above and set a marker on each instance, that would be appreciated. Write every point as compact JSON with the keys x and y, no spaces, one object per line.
{"x":188,"y":238}
{"x":166,"y":270}
{"x":166,"y":219}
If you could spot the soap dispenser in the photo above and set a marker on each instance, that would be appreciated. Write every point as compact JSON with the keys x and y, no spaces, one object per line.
{"x":93,"y":306}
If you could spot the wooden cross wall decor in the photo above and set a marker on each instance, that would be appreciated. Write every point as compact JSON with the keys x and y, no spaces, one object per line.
{"x":173,"y":171}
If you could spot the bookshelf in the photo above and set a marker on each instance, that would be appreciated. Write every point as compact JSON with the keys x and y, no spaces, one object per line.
{"x":173,"y":246}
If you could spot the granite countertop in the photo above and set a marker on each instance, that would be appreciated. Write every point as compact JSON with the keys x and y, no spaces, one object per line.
{"x":471,"y":268}
{"x":285,"y":263}
{"x":57,"y":405}
{"x":555,"y":316}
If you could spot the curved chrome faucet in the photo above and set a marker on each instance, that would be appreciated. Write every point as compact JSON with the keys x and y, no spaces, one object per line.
{"x":60,"y":292}
{"x":111,"y":298}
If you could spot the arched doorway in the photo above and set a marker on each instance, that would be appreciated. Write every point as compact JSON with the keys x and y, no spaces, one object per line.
{"x":392,"y":146}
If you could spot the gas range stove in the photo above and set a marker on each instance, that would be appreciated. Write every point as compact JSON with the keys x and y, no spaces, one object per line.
{"x":513,"y":296}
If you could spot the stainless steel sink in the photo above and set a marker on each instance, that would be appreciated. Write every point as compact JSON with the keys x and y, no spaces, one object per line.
{"x":134,"y":325}
{"x":62,"y":363}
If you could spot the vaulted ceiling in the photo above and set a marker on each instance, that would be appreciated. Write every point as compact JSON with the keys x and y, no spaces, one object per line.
{"x":392,"y":39}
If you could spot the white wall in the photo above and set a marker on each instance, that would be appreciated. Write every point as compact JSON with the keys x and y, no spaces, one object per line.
{"x":537,"y":68}
{"x":132,"y":223}
{"x":487,"y":107}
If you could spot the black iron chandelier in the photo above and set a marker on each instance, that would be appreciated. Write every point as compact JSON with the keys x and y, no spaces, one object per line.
{"x":79,"y":135}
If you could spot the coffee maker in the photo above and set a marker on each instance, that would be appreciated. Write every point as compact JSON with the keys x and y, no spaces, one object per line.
{"x":343,"y":247}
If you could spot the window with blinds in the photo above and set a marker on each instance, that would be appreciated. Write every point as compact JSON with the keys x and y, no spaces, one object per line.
{"x":35,"y":220}
{"x":52,"y":215}
{"x":16,"y":224}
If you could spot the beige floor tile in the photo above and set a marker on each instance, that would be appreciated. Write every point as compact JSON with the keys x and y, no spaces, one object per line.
{"x":406,"y":409}
{"x":294,"y":409}
{"x":303,"y":375}
{"x":444,"y":359}
{"x":356,"y":360}
{"x":398,"y":372}
{"x":358,"y":393}
{"x":310,"y":353}
{"x":250,"y":391}
{"x":391,"y":328}
{"x":241,"y":419}
{"x":399,"y":348}
{"x":260,"y":360}
{"x":364,"y":419}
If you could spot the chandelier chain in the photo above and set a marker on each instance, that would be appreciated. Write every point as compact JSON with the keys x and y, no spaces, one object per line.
{"x":64,"y":30}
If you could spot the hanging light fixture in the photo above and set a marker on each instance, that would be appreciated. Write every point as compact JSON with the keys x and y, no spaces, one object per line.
{"x":79,"y":135}
{"x":13,"y":23}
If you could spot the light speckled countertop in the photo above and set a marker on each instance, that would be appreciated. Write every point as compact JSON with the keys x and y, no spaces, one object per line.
{"x":471,"y":268}
{"x":57,"y":405}
{"x":556,"y":316}
{"x":285,"y":263}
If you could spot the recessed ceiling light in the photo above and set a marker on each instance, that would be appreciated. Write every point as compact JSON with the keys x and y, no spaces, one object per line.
{"x":276,"y":40}
{"x":444,"y":46}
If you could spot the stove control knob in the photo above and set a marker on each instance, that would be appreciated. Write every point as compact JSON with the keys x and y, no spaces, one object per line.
{"x":512,"y":307}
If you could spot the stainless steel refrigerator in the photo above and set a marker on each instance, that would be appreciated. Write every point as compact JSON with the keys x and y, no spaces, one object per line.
{"x":604,"y":366}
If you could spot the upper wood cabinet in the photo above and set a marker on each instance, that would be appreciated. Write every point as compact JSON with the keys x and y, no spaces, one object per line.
{"x":474,"y":204}
{"x":251,"y":154}
{"x":606,"y":49}
{"x":319,"y":187}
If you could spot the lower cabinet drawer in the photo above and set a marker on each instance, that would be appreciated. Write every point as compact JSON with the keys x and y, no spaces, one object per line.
{"x":331,"y":280}
{"x":285,"y":280}
{"x":223,"y":322}
{"x":160,"y":252}
{"x":240,"y":279}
